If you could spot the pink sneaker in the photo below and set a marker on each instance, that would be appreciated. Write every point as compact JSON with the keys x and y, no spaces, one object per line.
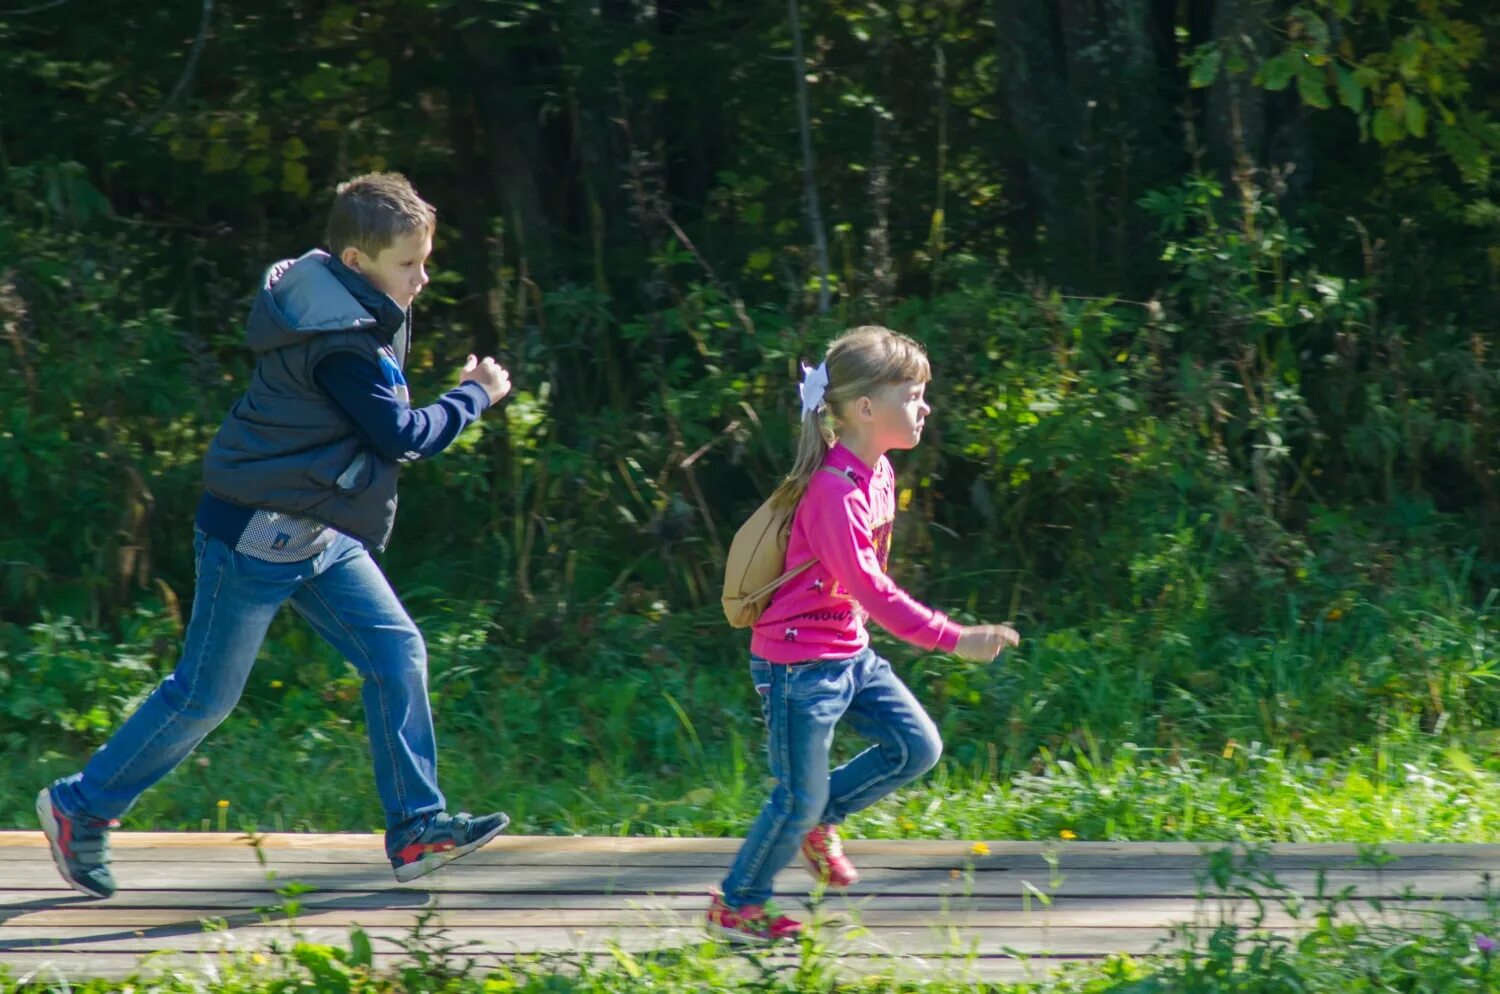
{"x":823,"y":855}
{"x":751,"y":924}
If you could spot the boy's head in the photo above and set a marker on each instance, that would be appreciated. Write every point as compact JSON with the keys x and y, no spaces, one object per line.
{"x":382,"y":229}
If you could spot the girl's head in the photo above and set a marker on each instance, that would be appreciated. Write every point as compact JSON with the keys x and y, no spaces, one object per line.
{"x":874,"y":398}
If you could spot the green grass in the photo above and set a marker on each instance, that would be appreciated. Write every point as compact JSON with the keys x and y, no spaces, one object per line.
{"x":1399,"y":793}
{"x":1364,"y":719}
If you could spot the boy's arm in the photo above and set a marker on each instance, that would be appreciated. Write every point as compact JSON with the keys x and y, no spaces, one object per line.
{"x":389,"y":425}
{"x":839,"y":536}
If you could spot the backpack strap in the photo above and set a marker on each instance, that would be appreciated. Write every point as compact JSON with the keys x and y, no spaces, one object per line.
{"x":800,"y":568}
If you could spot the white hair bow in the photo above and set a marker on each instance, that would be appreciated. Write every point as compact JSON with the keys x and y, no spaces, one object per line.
{"x":814,"y":385}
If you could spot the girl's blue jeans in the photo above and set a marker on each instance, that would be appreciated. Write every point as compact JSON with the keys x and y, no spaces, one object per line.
{"x":802,"y":703}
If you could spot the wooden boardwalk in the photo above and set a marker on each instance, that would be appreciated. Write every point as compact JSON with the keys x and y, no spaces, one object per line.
{"x":985,"y":910}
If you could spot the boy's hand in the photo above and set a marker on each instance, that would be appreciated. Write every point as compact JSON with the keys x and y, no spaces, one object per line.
{"x":488,"y":374}
{"x":984,"y":642}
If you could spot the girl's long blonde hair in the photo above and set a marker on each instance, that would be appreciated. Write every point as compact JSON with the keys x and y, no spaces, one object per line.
{"x":860,"y":361}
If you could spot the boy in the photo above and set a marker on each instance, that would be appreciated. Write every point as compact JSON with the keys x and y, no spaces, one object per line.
{"x":299,"y":484}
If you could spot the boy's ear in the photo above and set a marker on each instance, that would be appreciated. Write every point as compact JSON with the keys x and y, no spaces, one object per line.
{"x":350,"y":257}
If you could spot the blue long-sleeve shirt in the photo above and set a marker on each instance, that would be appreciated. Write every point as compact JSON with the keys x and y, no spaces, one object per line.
{"x":374,"y":400}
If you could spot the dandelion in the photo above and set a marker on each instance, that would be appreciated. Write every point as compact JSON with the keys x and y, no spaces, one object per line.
{"x":1068,"y":833}
{"x":276,"y":685}
{"x":979,"y":849}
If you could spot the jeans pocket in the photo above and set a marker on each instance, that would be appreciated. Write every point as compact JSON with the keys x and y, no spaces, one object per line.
{"x":760,"y":679}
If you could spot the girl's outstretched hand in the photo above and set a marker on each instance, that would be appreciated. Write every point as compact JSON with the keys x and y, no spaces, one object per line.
{"x":984,"y":642}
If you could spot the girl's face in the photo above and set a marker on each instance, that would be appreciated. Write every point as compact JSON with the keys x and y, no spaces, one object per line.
{"x":897,"y":415}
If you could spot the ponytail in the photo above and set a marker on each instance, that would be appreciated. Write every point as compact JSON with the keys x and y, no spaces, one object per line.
{"x":813,"y":446}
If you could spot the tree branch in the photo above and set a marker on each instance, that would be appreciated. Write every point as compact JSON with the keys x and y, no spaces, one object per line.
{"x":810,"y":185}
{"x":187,"y":70}
{"x":33,"y":10}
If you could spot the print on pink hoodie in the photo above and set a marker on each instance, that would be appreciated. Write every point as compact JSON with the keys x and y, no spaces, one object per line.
{"x":845,"y":524}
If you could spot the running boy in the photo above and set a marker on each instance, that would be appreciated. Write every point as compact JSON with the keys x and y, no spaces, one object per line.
{"x":299,"y":486}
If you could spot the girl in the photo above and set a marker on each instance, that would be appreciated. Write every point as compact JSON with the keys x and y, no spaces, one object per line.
{"x":809,"y":653}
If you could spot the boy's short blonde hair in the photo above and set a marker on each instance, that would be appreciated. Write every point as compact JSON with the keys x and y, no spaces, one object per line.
{"x":371,"y":211}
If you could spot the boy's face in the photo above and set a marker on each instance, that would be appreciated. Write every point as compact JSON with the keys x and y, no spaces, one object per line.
{"x":400,"y":270}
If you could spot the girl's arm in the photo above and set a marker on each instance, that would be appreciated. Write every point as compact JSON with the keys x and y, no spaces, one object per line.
{"x":839,"y":534}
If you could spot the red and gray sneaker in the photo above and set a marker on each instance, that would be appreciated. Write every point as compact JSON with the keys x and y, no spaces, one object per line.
{"x":751,"y":924}
{"x":823,"y":855}
{"x":445,"y":838}
{"x":80,"y":847}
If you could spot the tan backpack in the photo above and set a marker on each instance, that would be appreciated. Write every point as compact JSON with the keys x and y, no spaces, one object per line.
{"x":757,"y":557}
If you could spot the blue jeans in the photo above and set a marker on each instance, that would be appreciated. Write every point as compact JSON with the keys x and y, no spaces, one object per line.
{"x":347,"y":599}
{"x":802,"y":704}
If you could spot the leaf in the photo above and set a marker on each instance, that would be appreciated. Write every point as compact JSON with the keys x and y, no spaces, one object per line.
{"x":1275,"y":73}
{"x":1466,"y":152}
{"x":1312,"y":88}
{"x":1416,"y":117}
{"x":1351,"y":94}
{"x":361,"y":953}
{"x":1385,"y":127}
{"x":294,"y":179}
{"x":1206,"y":67}
{"x":221,"y":158}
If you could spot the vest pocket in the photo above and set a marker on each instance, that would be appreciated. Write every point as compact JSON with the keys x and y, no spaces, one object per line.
{"x":356,"y":476}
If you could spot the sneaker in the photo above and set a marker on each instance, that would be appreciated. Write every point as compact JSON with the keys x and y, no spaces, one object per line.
{"x":751,"y":924}
{"x":80,"y":847}
{"x":445,"y":838}
{"x":823,"y":855}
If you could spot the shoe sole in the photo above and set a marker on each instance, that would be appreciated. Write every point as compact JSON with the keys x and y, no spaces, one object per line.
{"x":434,"y":861}
{"x":739,"y":938}
{"x":52,"y":830}
{"x":816,"y":872}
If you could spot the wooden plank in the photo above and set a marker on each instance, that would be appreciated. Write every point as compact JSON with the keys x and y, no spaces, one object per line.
{"x":595,"y":843}
{"x":866,"y":941}
{"x":365,"y":849}
{"x":287,"y":861}
{"x":1096,"y":914}
{"x":1141,"y":881}
{"x":202,"y":904}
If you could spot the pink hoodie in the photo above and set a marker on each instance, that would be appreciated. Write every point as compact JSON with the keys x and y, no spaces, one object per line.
{"x":845,"y":524}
